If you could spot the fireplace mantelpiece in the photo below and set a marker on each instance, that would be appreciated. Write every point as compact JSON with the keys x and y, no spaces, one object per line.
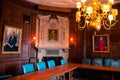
{"x":45,"y":26}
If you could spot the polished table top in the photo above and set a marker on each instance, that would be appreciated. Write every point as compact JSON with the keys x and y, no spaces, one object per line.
{"x":47,"y":73}
{"x":58,"y":70}
{"x":95,"y":67}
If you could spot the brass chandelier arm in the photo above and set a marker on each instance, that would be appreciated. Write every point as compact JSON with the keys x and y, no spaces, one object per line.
{"x":81,"y":27}
{"x":108,"y":26}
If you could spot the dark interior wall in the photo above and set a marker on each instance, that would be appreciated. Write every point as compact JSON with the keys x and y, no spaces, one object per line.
{"x":76,"y":47}
{"x":20,"y":17}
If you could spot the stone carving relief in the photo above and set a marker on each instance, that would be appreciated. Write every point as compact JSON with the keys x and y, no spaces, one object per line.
{"x":52,"y":32}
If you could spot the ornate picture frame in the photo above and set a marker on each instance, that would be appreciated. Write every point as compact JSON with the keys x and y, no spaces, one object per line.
{"x":53,"y":35}
{"x":11,"y":40}
{"x":100,"y":43}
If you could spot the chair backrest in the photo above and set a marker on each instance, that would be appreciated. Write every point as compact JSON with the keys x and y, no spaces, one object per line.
{"x":63,"y":61}
{"x":115,"y":64}
{"x":41,"y":65}
{"x":51,"y":63}
{"x":97,"y":61}
{"x":107,"y":62}
{"x":28,"y":68}
{"x":86,"y":61}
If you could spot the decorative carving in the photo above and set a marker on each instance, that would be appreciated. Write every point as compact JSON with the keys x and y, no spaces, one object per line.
{"x":52,"y":32}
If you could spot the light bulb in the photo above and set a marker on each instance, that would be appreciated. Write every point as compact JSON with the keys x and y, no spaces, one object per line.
{"x":98,"y":27}
{"x":89,"y":10}
{"x":111,"y":1}
{"x":105,"y":8}
{"x":83,"y":1}
{"x":110,"y":17}
{"x":78,"y":5}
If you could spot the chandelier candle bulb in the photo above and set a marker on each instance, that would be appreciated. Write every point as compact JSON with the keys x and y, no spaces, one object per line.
{"x":114,"y":12}
{"x":78,"y":15}
{"x":98,"y":27}
{"x":111,"y":1}
{"x":89,"y":10}
{"x":83,"y":1}
{"x":78,"y":5}
{"x":110,"y":17}
{"x":106,"y":8}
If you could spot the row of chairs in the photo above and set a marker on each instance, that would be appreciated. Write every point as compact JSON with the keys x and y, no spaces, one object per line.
{"x":28,"y":68}
{"x":102,"y":62}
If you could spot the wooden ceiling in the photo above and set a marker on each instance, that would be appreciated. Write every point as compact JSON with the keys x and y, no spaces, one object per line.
{"x":63,"y":3}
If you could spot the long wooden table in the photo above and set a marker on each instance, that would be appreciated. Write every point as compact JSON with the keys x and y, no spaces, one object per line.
{"x":47,"y":73}
{"x":58,"y":70}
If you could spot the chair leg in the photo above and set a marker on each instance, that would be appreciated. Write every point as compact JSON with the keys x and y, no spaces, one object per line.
{"x":57,"y":78}
{"x":62,"y":77}
{"x":70,"y":75}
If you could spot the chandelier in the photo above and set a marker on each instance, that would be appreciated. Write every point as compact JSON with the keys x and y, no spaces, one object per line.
{"x":96,"y":14}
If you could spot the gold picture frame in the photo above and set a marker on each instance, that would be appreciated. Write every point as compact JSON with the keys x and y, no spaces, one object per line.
{"x":11,"y":40}
{"x":53,"y":35}
{"x":100,"y":43}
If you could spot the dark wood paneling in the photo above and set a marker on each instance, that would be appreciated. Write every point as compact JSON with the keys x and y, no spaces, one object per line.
{"x":76,"y":49}
{"x":13,"y":66}
{"x":7,"y":13}
{"x":17,"y":17}
{"x":0,"y":11}
{"x":12,"y":14}
{"x":25,"y":50}
{"x":26,"y":31}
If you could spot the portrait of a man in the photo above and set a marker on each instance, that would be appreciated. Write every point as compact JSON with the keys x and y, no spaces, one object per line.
{"x":11,"y":39}
{"x":52,"y":35}
{"x":100,"y":43}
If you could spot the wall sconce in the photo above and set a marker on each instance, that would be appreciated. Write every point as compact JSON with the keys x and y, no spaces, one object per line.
{"x":33,"y":42}
{"x":34,"y":38}
{"x":71,"y":41}
{"x":34,"y":47}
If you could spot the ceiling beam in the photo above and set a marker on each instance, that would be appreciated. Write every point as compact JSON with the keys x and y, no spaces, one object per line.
{"x":58,"y":9}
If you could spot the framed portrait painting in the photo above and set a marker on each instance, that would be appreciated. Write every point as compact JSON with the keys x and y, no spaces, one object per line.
{"x":53,"y":35}
{"x":100,"y":43}
{"x":11,"y":40}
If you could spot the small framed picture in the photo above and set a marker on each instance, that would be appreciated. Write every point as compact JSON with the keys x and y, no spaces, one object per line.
{"x":100,"y":43}
{"x":11,"y":40}
{"x":53,"y":35}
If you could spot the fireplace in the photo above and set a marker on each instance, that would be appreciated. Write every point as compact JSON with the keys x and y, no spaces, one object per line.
{"x":52,"y":36}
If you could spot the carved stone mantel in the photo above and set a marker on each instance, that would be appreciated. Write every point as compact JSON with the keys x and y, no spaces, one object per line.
{"x":46,"y":25}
